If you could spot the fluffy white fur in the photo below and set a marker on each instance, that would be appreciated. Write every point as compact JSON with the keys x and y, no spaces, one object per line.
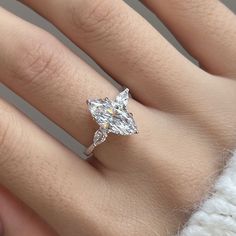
{"x":217,"y":215}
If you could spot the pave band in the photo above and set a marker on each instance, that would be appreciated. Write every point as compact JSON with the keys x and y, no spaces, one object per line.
{"x":112,"y":117}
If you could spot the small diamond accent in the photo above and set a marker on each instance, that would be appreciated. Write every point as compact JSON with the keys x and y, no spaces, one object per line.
{"x":99,"y":137}
{"x":112,"y":116}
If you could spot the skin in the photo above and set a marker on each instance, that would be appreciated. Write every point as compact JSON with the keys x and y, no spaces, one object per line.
{"x":19,"y":219}
{"x":146,"y":184}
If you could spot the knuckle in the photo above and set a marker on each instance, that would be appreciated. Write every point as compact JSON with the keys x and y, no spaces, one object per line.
{"x":95,"y":19}
{"x":39,"y":60}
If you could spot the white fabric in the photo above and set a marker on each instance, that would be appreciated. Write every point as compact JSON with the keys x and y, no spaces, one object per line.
{"x":217,"y":215}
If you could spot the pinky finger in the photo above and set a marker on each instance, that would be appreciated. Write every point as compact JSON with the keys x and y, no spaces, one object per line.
{"x":17,"y":219}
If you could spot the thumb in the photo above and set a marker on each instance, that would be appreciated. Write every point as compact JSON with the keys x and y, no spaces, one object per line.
{"x":17,"y":219}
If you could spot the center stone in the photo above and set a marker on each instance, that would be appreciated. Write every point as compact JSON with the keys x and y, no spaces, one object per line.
{"x":112,"y":115}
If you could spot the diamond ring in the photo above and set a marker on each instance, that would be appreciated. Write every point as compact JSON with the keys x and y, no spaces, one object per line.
{"x":112,"y":117}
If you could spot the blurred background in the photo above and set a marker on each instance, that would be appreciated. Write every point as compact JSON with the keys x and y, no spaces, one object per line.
{"x":27,"y":14}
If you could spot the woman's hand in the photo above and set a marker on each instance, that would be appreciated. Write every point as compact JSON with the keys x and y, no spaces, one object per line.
{"x":144,"y":184}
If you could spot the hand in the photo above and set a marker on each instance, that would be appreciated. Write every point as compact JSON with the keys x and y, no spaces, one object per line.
{"x":146,"y":184}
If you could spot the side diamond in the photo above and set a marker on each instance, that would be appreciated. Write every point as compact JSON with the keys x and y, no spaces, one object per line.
{"x":99,"y":137}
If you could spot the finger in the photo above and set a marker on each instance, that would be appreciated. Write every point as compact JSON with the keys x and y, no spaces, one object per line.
{"x":126,"y":46}
{"x":206,"y":28}
{"x":44,"y":174}
{"x":18,"y":219}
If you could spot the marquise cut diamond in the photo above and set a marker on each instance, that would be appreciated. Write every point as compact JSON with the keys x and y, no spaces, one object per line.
{"x":112,"y":116}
